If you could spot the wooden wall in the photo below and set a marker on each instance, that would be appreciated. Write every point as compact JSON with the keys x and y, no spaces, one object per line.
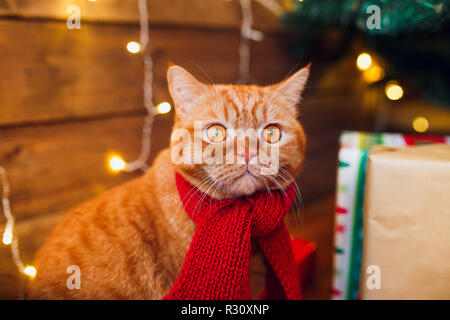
{"x":68,"y":98}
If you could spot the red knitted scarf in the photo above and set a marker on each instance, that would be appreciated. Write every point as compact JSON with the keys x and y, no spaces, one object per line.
{"x":217,"y":263}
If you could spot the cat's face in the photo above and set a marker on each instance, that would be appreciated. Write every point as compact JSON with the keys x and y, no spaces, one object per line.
{"x":232,"y":140}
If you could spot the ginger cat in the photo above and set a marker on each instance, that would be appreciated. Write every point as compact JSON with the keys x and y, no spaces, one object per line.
{"x":130,"y":242}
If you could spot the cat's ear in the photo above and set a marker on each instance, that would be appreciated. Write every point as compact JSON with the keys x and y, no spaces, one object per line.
{"x":292,"y":88}
{"x":183,"y":88}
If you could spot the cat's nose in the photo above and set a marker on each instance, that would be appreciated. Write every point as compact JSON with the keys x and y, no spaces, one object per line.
{"x":247,"y":156}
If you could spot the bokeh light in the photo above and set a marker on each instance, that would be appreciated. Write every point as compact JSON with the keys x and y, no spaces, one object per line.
{"x":116,"y":163}
{"x":420,"y":124}
{"x":30,"y":271}
{"x":393,"y":91}
{"x":364,"y":61}
{"x":7,"y":237}
{"x":163,"y":107}
{"x":133,"y":47}
{"x":373,"y":74}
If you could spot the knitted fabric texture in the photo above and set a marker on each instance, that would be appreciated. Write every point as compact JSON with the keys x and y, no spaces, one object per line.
{"x":216,"y":266}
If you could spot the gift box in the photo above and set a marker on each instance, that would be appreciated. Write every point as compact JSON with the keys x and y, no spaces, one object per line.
{"x":352,"y":158}
{"x":406,"y":242}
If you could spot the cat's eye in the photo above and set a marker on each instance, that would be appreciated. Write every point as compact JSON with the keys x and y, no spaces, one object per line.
{"x":272,"y":133}
{"x":216,"y":133}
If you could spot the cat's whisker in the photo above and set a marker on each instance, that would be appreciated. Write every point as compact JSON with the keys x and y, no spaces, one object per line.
{"x":213,"y":193}
{"x":218,"y":188}
{"x":210,"y":80}
{"x":284,"y":193}
{"x":297,"y":188}
{"x":279,"y":185}
{"x":192,"y":192}
{"x":298,"y":197}
{"x":289,"y":181}
{"x":296,"y":209}
{"x":267,"y":185}
{"x":203,"y":197}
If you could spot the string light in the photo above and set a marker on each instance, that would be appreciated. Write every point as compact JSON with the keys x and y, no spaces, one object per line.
{"x":364,"y":61}
{"x":116,"y":163}
{"x":133,"y":47}
{"x":420,"y":124}
{"x":30,"y":271}
{"x":247,"y":34}
{"x":272,"y":5}
{"x":8,"y":234}
{"x":147,"y":86}
{"x":163,"y":107}
{"x":393,"y":90}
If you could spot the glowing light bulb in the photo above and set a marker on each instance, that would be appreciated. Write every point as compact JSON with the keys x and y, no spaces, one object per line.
{"x":7,"y":237}
{"x":133,"y":47}
{"x":373,"y":74}
{"x":163,"y":107}
{"x":364,"y":61}
{"x":30,"y":271}
{"x":116,"y":163}
{"x":393,"y":91}
{"x":420,"y":124}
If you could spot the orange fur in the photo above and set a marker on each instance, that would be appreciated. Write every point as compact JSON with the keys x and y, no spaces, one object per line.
{"x":130,"y":242}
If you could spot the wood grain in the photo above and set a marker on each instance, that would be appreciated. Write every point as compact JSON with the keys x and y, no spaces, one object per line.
{"x":54,"y":167}
{"x":198,"y":13}
{"x":50,"y":73}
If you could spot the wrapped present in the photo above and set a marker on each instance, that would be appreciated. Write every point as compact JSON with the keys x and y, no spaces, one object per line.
{"x":354,"y":148}
{"x":406,"y":243}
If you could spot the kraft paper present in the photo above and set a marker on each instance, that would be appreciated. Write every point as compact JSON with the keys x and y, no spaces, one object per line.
{"x":353,"y":151}
{"x":406,"y":236}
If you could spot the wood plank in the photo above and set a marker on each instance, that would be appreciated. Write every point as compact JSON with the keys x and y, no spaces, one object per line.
{"x":50,"y":73}
{"x":54,"y":167}
{"x":199,"y":13}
